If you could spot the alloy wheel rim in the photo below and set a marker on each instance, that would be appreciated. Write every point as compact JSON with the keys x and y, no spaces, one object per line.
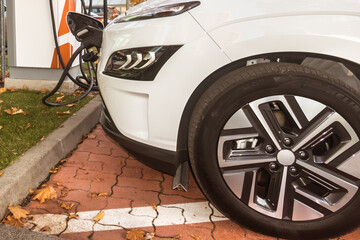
{"x":290,"y":157}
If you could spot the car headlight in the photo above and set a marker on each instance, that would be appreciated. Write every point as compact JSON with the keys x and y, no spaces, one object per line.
{"x":139,"y":63}
{"x":158,"y":12}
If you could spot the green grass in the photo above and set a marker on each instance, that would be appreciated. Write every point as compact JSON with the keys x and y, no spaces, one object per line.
{"x":15,"y":138}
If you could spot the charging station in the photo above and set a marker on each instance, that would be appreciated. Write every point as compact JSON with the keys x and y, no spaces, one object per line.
{"x":32,"y":56}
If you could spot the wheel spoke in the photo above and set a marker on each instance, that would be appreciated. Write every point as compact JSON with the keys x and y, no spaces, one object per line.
{"x":331,"y":180}
{"x":230,"y":158}
{"x":296,"y":112}
{"x":324,"y":119}
{"x":274,"y":203}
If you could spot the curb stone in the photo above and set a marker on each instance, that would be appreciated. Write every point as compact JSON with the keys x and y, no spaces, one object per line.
{"x":9,"y":232}
{"x":32,"y":168}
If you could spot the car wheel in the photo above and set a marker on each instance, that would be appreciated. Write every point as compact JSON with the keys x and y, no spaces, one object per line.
{"x":275,"y":147}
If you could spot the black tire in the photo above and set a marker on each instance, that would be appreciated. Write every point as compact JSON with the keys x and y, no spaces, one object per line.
{"x":235,"y":91}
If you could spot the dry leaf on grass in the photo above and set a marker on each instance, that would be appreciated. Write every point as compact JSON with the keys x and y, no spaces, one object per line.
{"x":135,"y":234}
{"x":195,"y":237}
{"x":45,"y":229}
{"x":9,"y":220}
{"x":12,"y":89}
{"x":18,"y":212}
{"x":2,"y":90}
{"x":71,"y":105}
{"x":66,"y":112}
{"x":41,"y":139}
{"x":72,"y":216}
{"x":99,"y":216}
{"x":44,"y":194}
{"x":1,"y":173}
{"x":44,"y":90}
{"x":1,"y":101}
{"x":14,"y":111}
{"x":59,"y":99}
{"x":1,"y":127}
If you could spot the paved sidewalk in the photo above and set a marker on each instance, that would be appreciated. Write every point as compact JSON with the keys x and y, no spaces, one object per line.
{"x":101,"y":176}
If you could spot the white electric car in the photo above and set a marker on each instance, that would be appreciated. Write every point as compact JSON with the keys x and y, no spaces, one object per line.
{"x":261,"y":97}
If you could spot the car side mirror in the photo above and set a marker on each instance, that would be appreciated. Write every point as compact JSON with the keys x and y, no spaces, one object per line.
{"x":86,"y":29}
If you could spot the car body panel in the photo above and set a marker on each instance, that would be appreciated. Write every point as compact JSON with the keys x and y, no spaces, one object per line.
{"x":213,"y":35}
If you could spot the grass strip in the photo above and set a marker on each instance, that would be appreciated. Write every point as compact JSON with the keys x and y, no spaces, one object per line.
{"x":21,"y":131}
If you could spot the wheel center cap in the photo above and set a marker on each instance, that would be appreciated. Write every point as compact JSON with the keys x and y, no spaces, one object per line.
{"x":286,"y":157}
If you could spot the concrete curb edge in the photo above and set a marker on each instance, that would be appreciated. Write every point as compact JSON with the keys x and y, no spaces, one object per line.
{"x":32,"y":168}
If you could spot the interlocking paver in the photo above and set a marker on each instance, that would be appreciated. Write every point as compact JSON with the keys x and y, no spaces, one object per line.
{"x":99,"y":165}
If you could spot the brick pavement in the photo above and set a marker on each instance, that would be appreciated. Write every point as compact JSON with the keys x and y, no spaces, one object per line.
{"x":134,"y":196}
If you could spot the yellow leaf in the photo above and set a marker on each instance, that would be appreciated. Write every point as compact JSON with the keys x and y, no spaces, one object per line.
{"x":42,"y":138}
{"x":59,"y":99}
{"x":1,"y":101}
{"x":135,"y":234}
{"x":53,"y":171}
{"x":71,"y":105}
{"x":27,"y":126}
{"x":45,"y":229}
{"x":1,"y":127}
{"x":44,"y":194}
{"x":67,"y":112}
{"x":99,"y":216}
{"x":8,"y":111}
{"x":64,"y":206}
{"x":92,"y":195}
{"x":58,"y":184}
{"x":103,"y":194}
{"x":99,"y":179}
{"x":196,"y":237}
{"x":1,"y":173}
{"x":31,"y":191}
{"x":2,"y":90}
{"x":91,"y":136}
{"x":149,"y":236}
{"x":72,"y":216}
{"x":25,"y":87}
{"x":9,"y":220}
{"x":18,"y":212}
{"x":153,"y":206}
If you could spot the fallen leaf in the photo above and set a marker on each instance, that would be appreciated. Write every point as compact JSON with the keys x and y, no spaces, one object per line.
{"x":99,"y":216}
{"x":58,"y":184}
{"x":18,"y":212}
{"x":44,"y":194}
{"x":44,"y":90}
{"x":153,"y":206}
{"x":71,"y":105}
{"x":64,"y":160}
{"x":103,"y":194}
{"x":196,"y":237}
{"x":1,"y":173}
{"x":12,"y":89}
{"x":27,"y":126}
{"x":1,"y":127}
{"x":14,"y":111}
{"x":64,"y":206}
{"x":59,"y":99}
{"x":72,"y":216}
{"x":31,"y":191}
{"x":45,"y":229}
{"x":92,"y":195}
{"x":149,"y":236}
{"x":9,"y":220}
{"x":25,"y":87}
{"x":53,"y":171}
{"x":99,"y":179}
{"x":179,"y":236}
{"x":91,"y":136}
{"x":66,"y":112}
{"x":2,"y":90}
{"x":42,"y":138}
{"x":135,"y":234}
{"x":1,"y":101}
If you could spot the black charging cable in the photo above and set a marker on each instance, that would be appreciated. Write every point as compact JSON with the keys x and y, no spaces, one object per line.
{"x":87,"y":83}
